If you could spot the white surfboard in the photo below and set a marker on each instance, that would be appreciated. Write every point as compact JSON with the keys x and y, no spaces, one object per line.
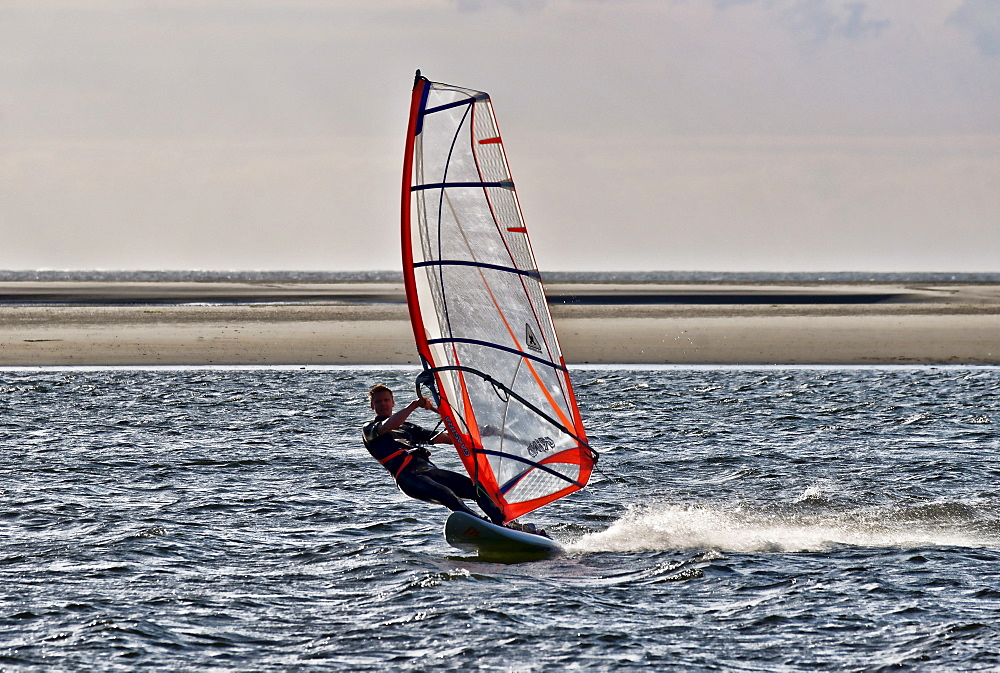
{"x":470,"y":533}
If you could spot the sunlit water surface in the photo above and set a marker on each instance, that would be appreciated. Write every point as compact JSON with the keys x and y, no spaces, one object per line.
{"x":782,"y":519}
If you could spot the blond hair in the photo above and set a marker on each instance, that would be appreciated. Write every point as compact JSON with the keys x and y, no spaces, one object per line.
{"x":377,"y":388}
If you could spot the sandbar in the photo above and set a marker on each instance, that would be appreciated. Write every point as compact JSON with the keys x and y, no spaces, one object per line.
{"x":140,"y":324}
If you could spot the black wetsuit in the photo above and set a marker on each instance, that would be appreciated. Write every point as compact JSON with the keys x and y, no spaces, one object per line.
{"x":399,"y":452}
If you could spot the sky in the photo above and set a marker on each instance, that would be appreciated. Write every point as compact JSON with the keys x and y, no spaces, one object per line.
{"x":702,"y":135}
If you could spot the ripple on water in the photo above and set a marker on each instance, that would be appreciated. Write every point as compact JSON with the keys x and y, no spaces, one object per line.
{"x":744,"y":518}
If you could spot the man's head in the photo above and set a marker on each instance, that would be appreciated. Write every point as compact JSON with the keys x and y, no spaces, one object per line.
{"x":381,"y":400}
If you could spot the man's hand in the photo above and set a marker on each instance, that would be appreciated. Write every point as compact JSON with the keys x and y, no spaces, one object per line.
{"x":398,"y":418}
{"x":424,"y":403}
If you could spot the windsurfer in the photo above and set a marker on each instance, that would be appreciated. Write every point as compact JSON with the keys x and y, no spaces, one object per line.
{"x":397,"y":444}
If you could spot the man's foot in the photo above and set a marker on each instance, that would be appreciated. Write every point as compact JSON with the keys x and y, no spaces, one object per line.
{"x":527,"y":528}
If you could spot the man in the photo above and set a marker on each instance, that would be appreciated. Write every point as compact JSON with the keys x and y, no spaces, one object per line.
{"x":395,"y":442}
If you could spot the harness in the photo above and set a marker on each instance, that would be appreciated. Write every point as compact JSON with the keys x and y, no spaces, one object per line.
{"x":406,"y":461}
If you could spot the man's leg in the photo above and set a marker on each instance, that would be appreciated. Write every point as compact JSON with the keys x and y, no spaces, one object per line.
{"x":421,"y":486}
{"x":463,"y":487}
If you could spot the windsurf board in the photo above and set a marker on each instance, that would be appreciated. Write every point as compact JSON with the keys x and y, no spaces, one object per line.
{"x":470,"y":533}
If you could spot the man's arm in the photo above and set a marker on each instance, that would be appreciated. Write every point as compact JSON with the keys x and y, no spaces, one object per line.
{"x":398,"y":418}
{"x":442,"y":438}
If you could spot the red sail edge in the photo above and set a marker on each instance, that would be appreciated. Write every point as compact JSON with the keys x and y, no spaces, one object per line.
{"x":409,"y":282}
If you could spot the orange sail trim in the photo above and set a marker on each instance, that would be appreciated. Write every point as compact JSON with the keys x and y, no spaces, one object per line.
{"x":494,"y":488}
{"x":517,"y":343}
{"x":555,"y":406}
{"x":522,"y":508}
{"x":580,"y":458}
{"x":469,"y":413}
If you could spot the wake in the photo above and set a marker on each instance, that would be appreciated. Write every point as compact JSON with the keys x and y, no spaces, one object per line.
{"x":672,"y":526}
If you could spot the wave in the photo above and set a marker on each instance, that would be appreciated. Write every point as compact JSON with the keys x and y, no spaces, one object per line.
{"x":675,"y":526}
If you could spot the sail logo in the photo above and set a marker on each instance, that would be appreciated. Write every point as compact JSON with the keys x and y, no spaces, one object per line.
{"x":530,"y":340}
{"x":540,"y":445}
{"x":456,"y":436}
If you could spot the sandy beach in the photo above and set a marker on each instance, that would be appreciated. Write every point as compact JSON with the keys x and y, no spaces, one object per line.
{"x":149,"y":323}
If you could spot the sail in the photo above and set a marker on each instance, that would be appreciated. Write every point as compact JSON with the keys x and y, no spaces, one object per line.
{"x":478,"y":309}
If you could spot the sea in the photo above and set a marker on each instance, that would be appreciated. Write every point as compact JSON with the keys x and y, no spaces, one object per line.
{"x":741,"y":519}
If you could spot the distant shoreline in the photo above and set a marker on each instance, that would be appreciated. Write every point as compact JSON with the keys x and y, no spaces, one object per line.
{"x":67,"y":322}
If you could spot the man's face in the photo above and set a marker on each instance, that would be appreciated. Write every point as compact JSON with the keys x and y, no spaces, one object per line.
{"x":382,"y":403}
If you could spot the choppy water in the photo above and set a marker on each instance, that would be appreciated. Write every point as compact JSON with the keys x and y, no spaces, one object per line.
{"x":781,"y":519}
